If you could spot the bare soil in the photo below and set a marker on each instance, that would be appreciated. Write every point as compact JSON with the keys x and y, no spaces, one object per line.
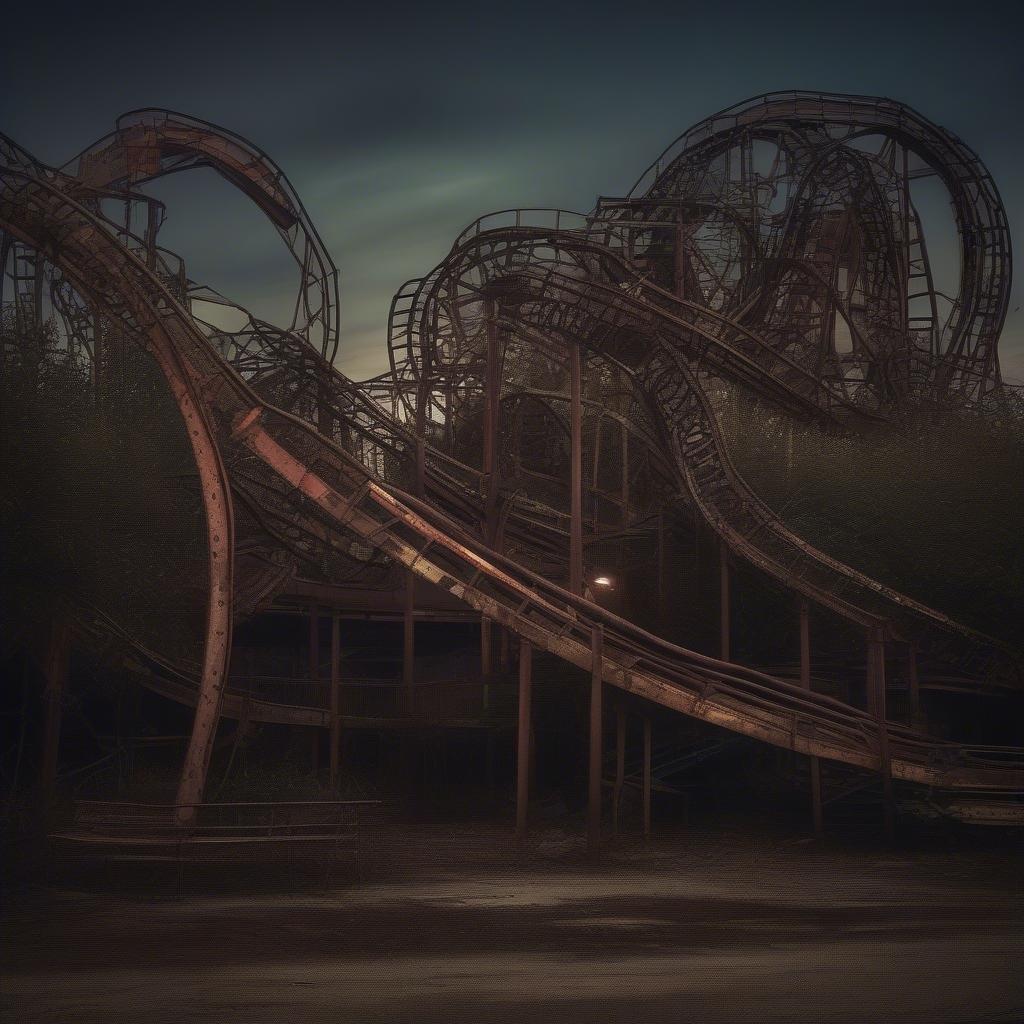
{"x":453,"y":923}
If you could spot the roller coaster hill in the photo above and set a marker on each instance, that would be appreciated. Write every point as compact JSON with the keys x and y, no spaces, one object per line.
{"x":723,"y":457}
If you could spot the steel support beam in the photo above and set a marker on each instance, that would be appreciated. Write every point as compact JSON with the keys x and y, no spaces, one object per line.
{"x":220,"y":534}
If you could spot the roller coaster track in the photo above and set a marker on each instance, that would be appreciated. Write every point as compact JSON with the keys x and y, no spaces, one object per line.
{"x":330,"y":487}
{"x":149,"y":144}
{"x":150,"y":140}
{"x":816,"y":125}
{"x":305,"y":473}
{"x":685,"y":348}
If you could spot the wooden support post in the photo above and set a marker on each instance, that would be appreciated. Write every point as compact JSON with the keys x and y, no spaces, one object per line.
{"x":594,"y":794}
{"x":335,"y":698}
{"x":576,"y":471}
{"x":805,"y":682}
{"x":523,"y":746}
{"x":647,"y":778}
{"x":55,"y":669}
{"x":620,"y":765}
{"x":723,"y":574}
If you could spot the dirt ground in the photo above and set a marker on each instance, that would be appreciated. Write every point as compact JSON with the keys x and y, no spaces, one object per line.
{"x":450,"y":923}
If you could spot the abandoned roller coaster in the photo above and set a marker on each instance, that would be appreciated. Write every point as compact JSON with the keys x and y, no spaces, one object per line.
{"x":553,"y":419}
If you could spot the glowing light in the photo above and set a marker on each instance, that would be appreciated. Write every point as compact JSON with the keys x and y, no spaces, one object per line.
{"x":602,"y":581}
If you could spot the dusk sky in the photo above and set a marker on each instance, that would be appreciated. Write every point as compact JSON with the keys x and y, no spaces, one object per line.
{"x":399,"y":126}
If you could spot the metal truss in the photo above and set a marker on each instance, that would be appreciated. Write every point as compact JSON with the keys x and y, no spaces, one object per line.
{"x":556,"y":379}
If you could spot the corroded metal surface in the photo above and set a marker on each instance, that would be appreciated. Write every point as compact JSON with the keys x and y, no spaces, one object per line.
{"x":773,"y":248}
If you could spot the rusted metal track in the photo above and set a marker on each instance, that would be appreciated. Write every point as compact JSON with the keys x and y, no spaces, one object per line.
{"x":326,"y":472}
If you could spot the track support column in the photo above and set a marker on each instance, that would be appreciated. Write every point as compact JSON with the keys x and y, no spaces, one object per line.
{"x":594,"y":777}
{"x":523,"y":742}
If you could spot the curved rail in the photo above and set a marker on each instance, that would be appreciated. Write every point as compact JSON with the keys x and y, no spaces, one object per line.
{"x":330,"y":489}
{"x":685,"y":345}
{"x":970,"y":357}
{"x":152,"y":143}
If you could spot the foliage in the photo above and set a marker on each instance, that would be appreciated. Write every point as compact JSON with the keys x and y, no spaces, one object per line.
{"x":99,"y":510}
{"x":932,"y":506}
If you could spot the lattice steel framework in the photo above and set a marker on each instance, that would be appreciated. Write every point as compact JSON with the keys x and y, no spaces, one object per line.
{"x":556,"y":385}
